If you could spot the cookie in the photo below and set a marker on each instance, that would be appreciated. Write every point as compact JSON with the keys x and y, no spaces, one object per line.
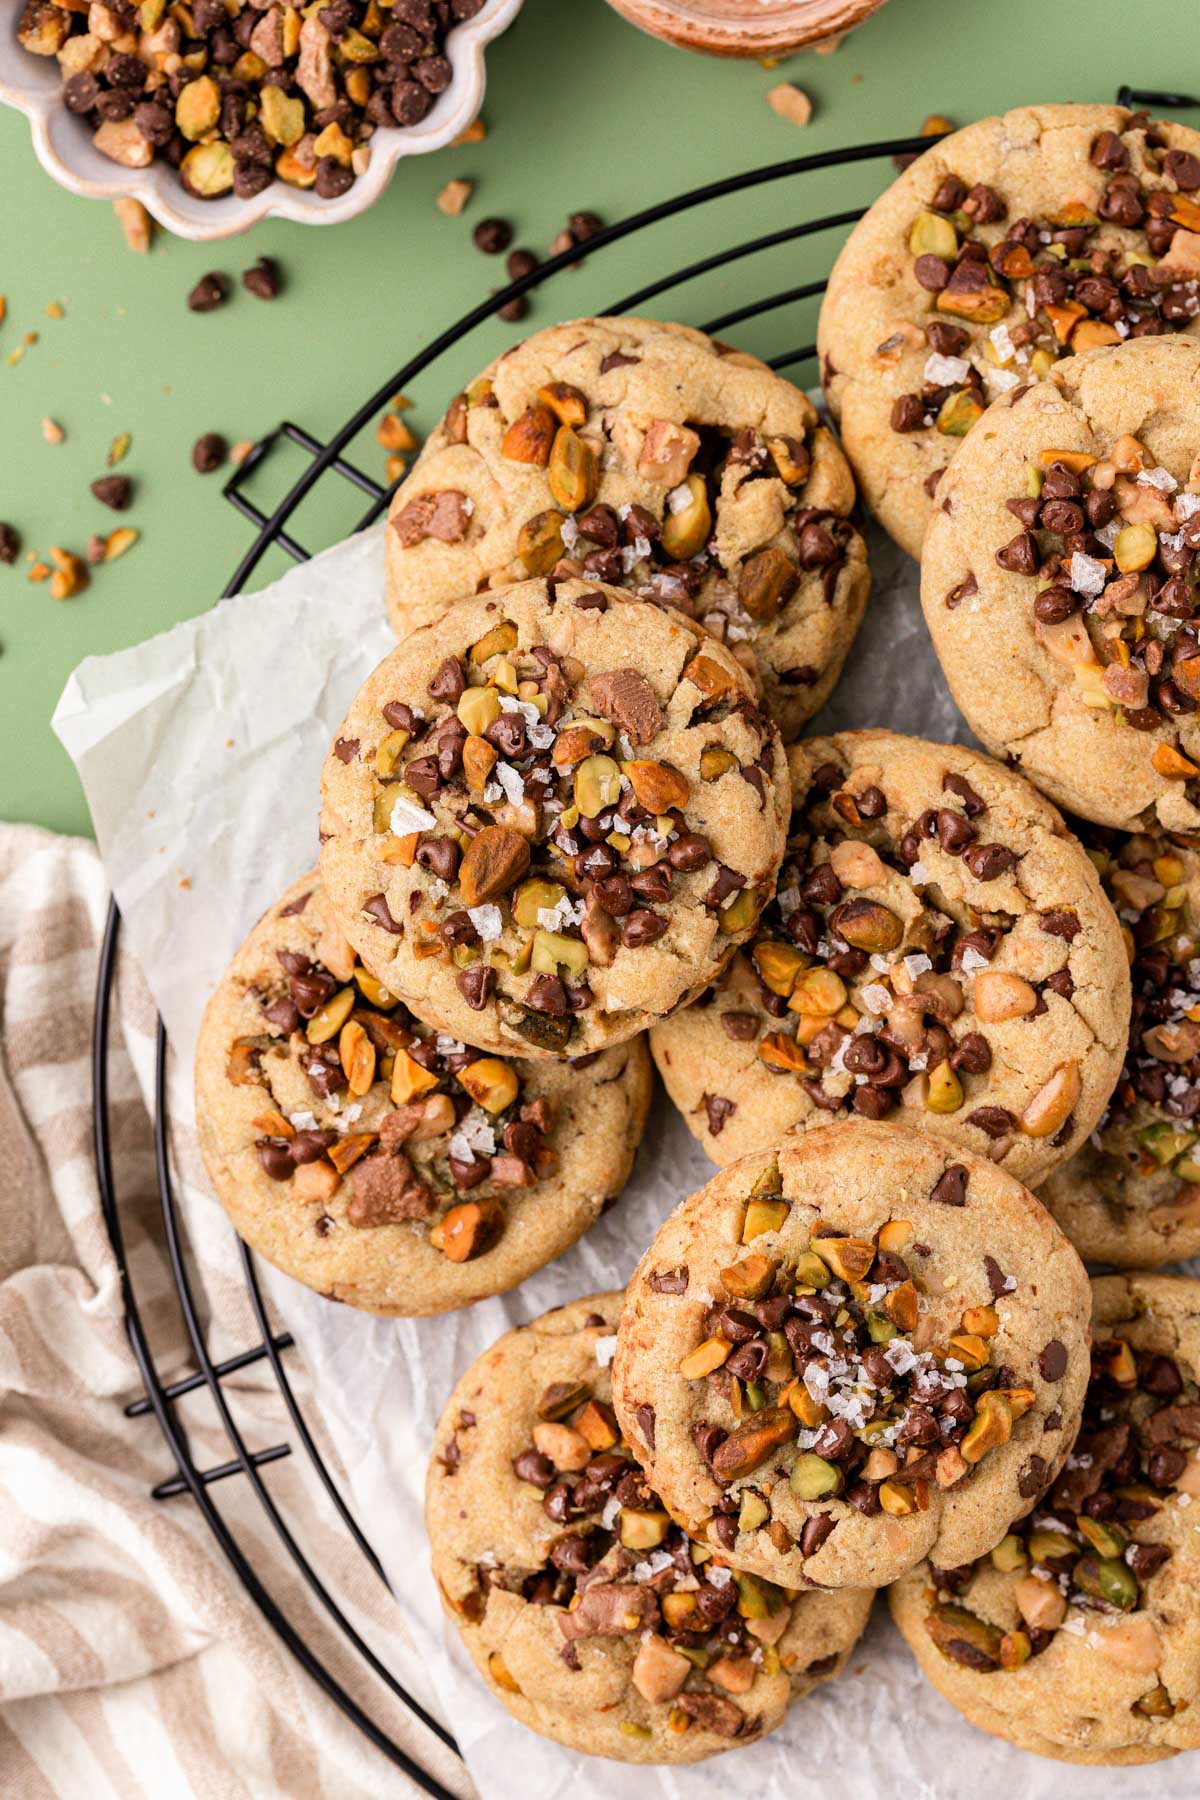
{"x":1131,"y":1194}
{"x":383,"y":1164}
{"x":1079,"y":1636}
{"x":651,"y":457}
{"x":938,"y":948}
{"x":1009,"y":244}
{"x":552,"y":817}
{"x":588,"y":1613}
{"x":851,"y":1353}
{"x":1056,"y":583}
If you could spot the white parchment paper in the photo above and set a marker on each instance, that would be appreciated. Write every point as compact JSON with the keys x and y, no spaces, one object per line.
{"x":200,"y":753}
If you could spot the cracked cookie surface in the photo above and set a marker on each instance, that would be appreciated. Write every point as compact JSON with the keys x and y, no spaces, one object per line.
{"x":552,"y":816}
{"x":1131,"y":1194}
{"x":1013,"y":242}
{"x":938,"y":949}
{"x":588,"y":1613}
{"x":648,"y":456}
{"x":851,"y":1353}
{"x":379,"y":1162}
{"x":1079,"y":1636}
{"x":1057,"y":581}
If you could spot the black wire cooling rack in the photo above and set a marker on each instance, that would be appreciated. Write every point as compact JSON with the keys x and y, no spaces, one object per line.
{"x":161,"y":1398}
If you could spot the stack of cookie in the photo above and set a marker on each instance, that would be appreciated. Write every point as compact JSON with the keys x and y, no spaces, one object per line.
{"x":569,"y":824}
{"x":549,"y":818}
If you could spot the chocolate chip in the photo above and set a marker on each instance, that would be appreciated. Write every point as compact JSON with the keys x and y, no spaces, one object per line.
{"x":1164,"y":1466}
{"x":378,"y":909}
{"x":493,"y":237}
{"x":642,"y":926}
{"x":688,"y":852}
{"x":1032,"y":1477}
{"x":1020,"y":555}
{"x":275,"y":1159}
{"x":1053,"y":1361}
{"x":448,"y":682}
{"x":987,"y":861}
{"x":1108,"y":152}
{"x":908,"y":412}
{"x":513,"y":309}
{"x":546,"y":994}
{"x":535,"y":1468}
{"x":333,"y":178}
{"x":1147,"y":1559}
{"x":114,"y":491}
{"x":973,"y":805}
{"x":1183,"y":168}
{"x":584,"y":225}
{"x":954,"y":832}
{"x":669,"y":1281}
{"x":262,"y":279}
{"x":719,"y":1111}
{"x":708,"y":1439}
{"x":932,"y":272}
{"x":518,"y":264}
{"x":950,"y":1189}
{"x":209,"y":452}
{"x":208,"y":293}
{"x":816,"y":1531}
{"x":645,"y":1421}
{"x":10,"y":543}
{"x":996,"y":1121}
{"x":1160,"y":1376}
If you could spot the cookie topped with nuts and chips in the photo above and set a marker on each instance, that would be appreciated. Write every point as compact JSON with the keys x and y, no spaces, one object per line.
{"x":851,"y":1353}
{"x":938,"y":949}
{"x":379,"y":1162}
{"x":1058,"y":581}
{"x":1003,"y":247}
{"x":1079,"y":1636}
{"x":654,"y":458}
{"x":590,"y":1615}
{"x":551,"y":817}
{"x":1130,"y":1195}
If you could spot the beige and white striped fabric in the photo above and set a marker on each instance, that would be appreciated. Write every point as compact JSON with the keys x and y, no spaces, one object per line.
{"x":131,"y":1662}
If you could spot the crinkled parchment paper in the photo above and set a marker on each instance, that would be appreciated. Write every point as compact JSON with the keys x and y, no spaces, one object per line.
{"x":200,"y":752}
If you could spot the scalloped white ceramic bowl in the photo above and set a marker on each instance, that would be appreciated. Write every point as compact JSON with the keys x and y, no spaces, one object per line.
{"x":63,"y":143}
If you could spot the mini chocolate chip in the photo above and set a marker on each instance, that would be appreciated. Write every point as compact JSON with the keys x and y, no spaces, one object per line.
{"x":114,"y":491}
{"x":816,"y":1531}
{"x":950,"y":1189}
{"x":10,"y":543}
{"x":1053,"y":1361}
{"x":1031,"y":1478}
{"x":1020,"y":555}
{"x":262,"y":280}
{"x":961,"y":591}
{"x":333,"y":178}
{"x":346,"y":749}
{"x":535,"y":1468}
{"x":448,"y":682}
{"x":669,"y":1281}
{"x":209,"y":452}
{"x":987,"y":861}
{"x":520,"y":263}
{"x":719,"y":1111}
{"x":513,"y":309}
{"x":493,"y":236}
{"x":996,"y":1121}
{"x":973,"y":1055}
{"x":275,"y":1159}
{"x":208,"y":293}
{"x":959,"y":785}
{"x":645,"y":1420}
{"x":378,"y":909}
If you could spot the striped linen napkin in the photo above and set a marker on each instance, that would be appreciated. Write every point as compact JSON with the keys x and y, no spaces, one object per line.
{"x":131,"y":1661}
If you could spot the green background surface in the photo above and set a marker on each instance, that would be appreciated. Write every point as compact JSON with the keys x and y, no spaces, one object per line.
{"x":582,"y":112}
